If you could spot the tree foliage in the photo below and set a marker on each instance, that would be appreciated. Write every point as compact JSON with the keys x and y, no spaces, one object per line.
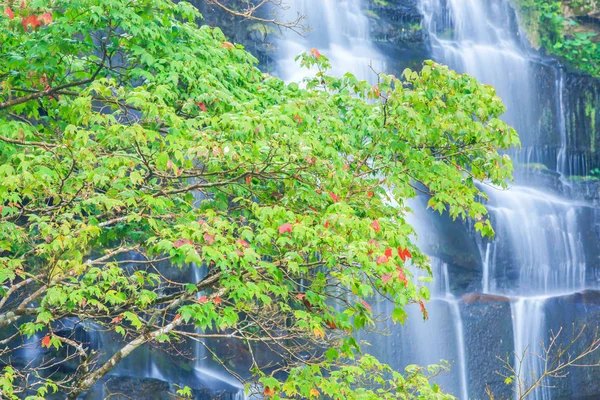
{"x":131,"y":138}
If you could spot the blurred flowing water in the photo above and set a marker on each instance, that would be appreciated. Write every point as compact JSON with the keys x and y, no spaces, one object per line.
{"x":494,"y":301}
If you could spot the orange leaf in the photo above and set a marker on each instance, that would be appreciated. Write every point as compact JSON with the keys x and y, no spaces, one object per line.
{"x":370,"y":194}
{"x":402,"y":277}
{"x":9,"y":13}
{"x":217,"y":300}
{"x":315,"y":53}
{"x":176,"y":317}
{"x":248,"y":180}
{"x":117,"y":319}
{"x":269,"y":391}
{"x":320,"y":333}
{"x":46,"y":341}
{"x":287,"y":227}
{"x":388,"y":252}
{"x":300,"y":296}
{"x":314,"y":393}
{"x":46,"y":18}
{"x":227,"y":45}
{"x":326,"y":224}
{"x":375,"y":225}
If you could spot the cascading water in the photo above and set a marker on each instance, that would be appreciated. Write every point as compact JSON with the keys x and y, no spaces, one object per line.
{"x":338,"y":30}
{"x":539,"y":250}
{"x":538,"y":259}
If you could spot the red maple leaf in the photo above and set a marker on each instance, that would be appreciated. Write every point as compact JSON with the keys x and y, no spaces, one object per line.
{"x":201,"y":105}
{"x":249,"y":180}
{"x":46,"y":18}
{"x":334,"y":197}
{"x":117,"y":319}
{"x":46,"y":341}
{"x":208,"y":238}
{"x":242,"y":243}
{"x":202,"y":299}
{"x":269,"y":391}
{"x":9,"y":13}
{"x":31,"y":20}
{"x":297,"y":119}
{"x":287,"y":227}
{"x":375,"y":225}
{"x":370,"y":193}
{"x":217,"y":300}
{"x":326,"y":224}
{"x":423,"y":310}
{"x":404,"y":253}
{"x":386,"y":278}
{"x":180,"y":242}
{"x":401,"y":276}
{"x":367,"y":306}
{"x":388,"y":252}
{"x":300,"y":296}
{"x":176,"y":317}
{"x":382,"y":260}
{"x":315,"y":53}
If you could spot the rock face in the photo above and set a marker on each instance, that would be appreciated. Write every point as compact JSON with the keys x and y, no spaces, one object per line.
{"x":397,"y":31}
{"x":487,"y":323}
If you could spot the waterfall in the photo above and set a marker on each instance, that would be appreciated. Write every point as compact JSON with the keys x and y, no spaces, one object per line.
{"x":339,"y":30}
{"x":538,"y":253}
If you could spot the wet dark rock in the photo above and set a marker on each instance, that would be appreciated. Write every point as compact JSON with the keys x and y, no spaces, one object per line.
{"x":487,"y":325}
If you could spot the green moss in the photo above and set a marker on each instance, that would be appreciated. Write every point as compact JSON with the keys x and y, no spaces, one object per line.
{"x":371,"y":14}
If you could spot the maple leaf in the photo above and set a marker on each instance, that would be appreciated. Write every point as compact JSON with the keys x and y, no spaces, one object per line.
{"x":249,"y":180}
{"x":201,"y":106}
{"x":297,"y":119}
{"x":367,"y":306}
{"x":386,"y":278}
{"x":375,"y":225}
{"x":423,"y":310}
{"x":320,"y":333}
{"x":314,"y":393}
{"x":269,"y":391}
{"x":180,"y":242}
{"x":208,"y":238}
{"x":331,"y":324}
{"x":382,"y":260}
{"x":242,"y":243}
{"x":9,"y":13}
{"x":227,"y":45}
{"x":176,"y":317}
{"x":404,"y":254}
{"x":287,"y":227}
{"x":170,"y":164}
{"x":202,"y":299}
{"x":334,"y":197}
{"x":46,"y":18}
{"x":402,"y":277}
{"x":370,"y":193}
{"x":31,"y":20}
{"x":388,"y":252}
{"x":46,"y":341}
{"x":300,"y":296}
{"x":373,"y":242}
{"x":326,"y":224}
{"x":117,"y":319}
{"x":315,"y":53}
{"x":217,"y":300}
